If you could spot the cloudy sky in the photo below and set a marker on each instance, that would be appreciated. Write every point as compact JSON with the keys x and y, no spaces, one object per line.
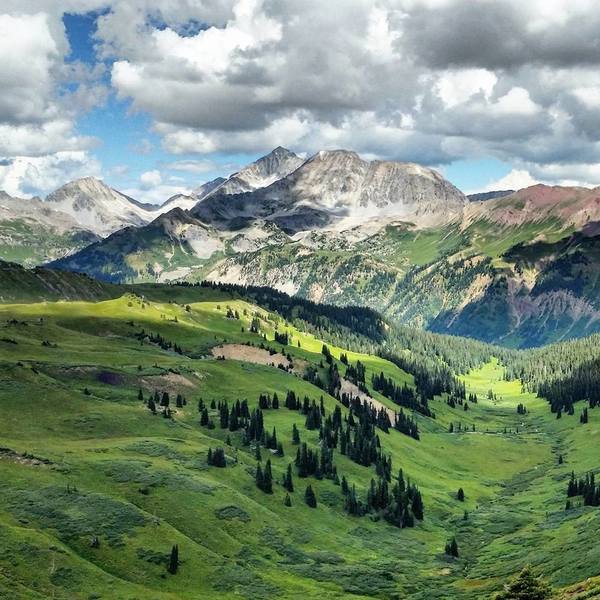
{"x":158,"y":96}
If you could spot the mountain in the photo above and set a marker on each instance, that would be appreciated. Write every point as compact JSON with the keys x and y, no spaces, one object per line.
{"x":393,"y":236}
{"x":339,"y":189}
{"x":268,"y":169}
{"x":332,"y":191}
{"x":174,"y":246}
{"x":521,"y":270}
{"x":187,"y":202}
{"x":569,"y":206}
{"x":32,"y":232}
{"x":97,"y":207}
{"x":206,"y":188}
{"x":483,"y":196}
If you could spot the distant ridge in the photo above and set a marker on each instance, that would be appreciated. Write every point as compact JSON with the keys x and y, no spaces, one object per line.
{"x":482,"y":196}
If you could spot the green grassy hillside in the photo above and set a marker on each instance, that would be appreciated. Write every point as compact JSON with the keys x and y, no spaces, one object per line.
{"x":29,"y":243}
{"x":95,"y":489}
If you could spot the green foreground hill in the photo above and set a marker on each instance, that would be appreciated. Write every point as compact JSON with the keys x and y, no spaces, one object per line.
{"x":96,"y":490}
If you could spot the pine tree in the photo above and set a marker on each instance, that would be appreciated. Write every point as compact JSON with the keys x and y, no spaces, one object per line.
{"x":460,"y":495}
{"x":344,"y":485}
{"x":173,"y":560}
{"x":295,"y":435}
{"x":287,"y":501}
{"x":288,"y":482}
{"x":140,"y":395}
{"x":216,"y":458}
{"x":452,"y":548}
{"x":204,"y":418}
{"x":417,"y":505}
{"x":584,"y":416}
{"x":525,"y":587}
{"x":267,"y":487}
{"x":259,"y":478}
{"x":309,"y":497}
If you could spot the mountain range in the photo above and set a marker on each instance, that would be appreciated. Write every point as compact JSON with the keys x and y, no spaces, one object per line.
{"x":517,"y":268}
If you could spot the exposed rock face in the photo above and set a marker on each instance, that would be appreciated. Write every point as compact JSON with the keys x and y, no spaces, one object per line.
{"x":35,"y":211}
{"x":32,"y":232}
{"x":206,"y":188}
{"x":266,"y":170}
{"x":339,"y":189}
{"x":97,"y":207}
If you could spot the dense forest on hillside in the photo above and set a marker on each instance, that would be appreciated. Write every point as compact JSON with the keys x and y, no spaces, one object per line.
{"x":562,"y":373}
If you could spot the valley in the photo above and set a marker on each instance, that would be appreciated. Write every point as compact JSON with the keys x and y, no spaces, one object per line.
{"x":299,"y":300}
{"x":96,"y":489}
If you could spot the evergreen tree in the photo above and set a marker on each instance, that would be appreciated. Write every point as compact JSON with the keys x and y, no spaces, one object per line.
{"x":460,"y":495}
{"x":344,"y":485}
{"x":259,"y":478}
{"x":309,"y":496}
{"x":267,"y":486}
{"x":295,"y":435}
{"x":204,"y":418}
{"x":287,"y":501}
{"x":173,"y":560}
{"x":216,"y":458}
{"x":584,"y":416}
{"x":525,"y":587}
{"x":288,"y":482}
{"x":452,"y":548}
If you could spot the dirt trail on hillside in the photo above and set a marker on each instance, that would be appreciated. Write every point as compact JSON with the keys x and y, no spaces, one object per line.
{"x":256,"y":355}
{"x":173,"y":380}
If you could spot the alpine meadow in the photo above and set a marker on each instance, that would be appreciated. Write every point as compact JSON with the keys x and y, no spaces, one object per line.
{"x":299,"y":300}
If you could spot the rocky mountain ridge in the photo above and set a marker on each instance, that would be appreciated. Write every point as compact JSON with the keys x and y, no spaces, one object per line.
{"x":337,"y":189}
{"x":518,"y":269}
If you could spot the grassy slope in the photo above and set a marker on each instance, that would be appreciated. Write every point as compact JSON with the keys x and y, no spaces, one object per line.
{"x":33,"y":244}
{"x":106,"y":447}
